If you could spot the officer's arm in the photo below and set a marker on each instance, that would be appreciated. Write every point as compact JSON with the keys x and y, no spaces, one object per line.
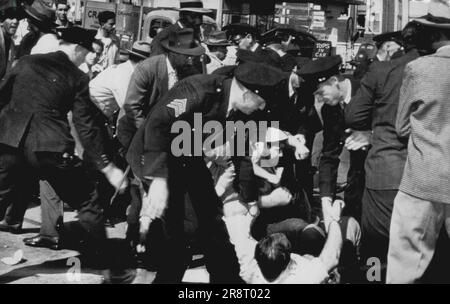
{"x":6,"y":85}
{"x":137,"y":96}
{"x":172,"y":114}
{"x":332,"y":148}
{"x":88,"y":122}
{"x":358,"y":112}
{"x":408,"y":101}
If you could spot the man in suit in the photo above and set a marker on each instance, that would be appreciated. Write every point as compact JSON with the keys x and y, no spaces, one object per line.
{"x":421,"y":207}
{"x":155,"y":76}
{"x":216,"y":98}
{"x":376,"y":104}
{"x":10,"y":21}
{"x":191,"y":16}
{"x":335,"y":91}
{"x":35,"y":139}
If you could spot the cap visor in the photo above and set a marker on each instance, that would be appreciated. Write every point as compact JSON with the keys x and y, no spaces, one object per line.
{"x":196,"y":10}
{"x":197,"y":51}
{"x":433,"y":24}
{"x":137,"y":54}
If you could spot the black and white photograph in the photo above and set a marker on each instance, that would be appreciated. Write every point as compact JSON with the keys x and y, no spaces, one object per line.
{"x":205,"y":143}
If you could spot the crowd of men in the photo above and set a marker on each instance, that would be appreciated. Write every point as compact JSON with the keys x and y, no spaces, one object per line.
{"x":80,"y":129}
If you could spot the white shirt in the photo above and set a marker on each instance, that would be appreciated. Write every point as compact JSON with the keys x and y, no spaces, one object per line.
{"x":46,"y":44}
{"x":301,"y":270}
{"x":231,"y":57}
{"x":108,"y":90}
{"x":235,"y":95}
{"x":171,"y":74}
{"x":110,"y":53}
{"x":214,"y":64}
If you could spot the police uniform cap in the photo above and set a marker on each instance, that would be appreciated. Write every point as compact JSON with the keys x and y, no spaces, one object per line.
{"x":390,"y":36}
{"x":322,"y":68}
{"x":260,"y":78}
{"x":78,"y":35}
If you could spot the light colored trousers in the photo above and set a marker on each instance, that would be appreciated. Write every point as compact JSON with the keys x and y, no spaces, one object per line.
{"x":415,"y":228}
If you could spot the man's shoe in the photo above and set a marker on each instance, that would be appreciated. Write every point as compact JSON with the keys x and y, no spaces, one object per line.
{"x":43,"y":241}
{"x":14,"y":228}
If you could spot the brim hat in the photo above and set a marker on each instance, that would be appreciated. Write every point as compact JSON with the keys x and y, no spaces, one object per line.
{"x":390,"y":36}
{"x":195,"y":6}
{"x":322,"y":69}
{"x":78,"y":35}
{"x":260,"y":78}
{"x":140,"y":49}
{"x":182,"y":41}
{"x":438,"y":14}
{"x":41,"y":13}
{"x":217,"y":38}
{"x":241,"y":29}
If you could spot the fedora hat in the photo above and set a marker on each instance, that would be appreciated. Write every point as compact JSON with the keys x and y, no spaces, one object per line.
{"x":181,"y":41}
{"x":140,"y":49}
{"x":217,"y":38}
{"x":438,"y":14}
{"x":40,"y":12}
{"x":195,"y":6}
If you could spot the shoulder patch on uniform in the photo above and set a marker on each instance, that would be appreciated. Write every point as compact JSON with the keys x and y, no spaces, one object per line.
{"x":179,"y":106}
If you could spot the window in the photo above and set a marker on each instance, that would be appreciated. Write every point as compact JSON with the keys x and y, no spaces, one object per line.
{"x":374,"y":16}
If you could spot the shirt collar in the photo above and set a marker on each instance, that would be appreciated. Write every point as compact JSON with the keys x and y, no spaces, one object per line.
{"x":348,"y":97}
{"x":442,"y":48}
{"x":170,"y":69}
{"x":255,"y":46}
{"x":235,"y":95}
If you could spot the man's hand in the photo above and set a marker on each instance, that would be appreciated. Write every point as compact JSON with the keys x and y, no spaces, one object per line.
{"x":298,"y":142}
{"x":331,"y":210}
{"x":116,"y":177}
{"x":358,"y":140}
{"x":158,"y":195}
{"x":280,"y":197}
{"x":225,"y":180}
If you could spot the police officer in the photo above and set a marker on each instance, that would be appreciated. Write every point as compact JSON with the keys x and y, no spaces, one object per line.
{"x":334,"y":92}
{"x":216,"y":97}
{"x":35,"y":139}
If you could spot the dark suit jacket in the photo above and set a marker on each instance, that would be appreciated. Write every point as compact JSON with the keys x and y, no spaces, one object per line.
{"x":148,"y":83}
{"x":376,"y":102}
{"x":150,"y":149}
{"x":35,"y":100}
{"x":6,"y":57}
{"x":333,"y":143}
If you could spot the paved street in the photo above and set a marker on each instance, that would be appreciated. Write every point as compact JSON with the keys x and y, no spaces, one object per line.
{"x":42,"y":265}
{"x":45,"y":266}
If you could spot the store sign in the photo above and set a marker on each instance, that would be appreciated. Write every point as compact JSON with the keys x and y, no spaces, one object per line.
{"x":322,"y":49}
{"x":91,"y":11}
{"x":127,"y":20}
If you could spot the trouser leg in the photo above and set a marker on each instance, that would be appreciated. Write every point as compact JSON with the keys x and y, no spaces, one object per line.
{"x":376,"y":217}
{"x":414,"y":231}
{"x":221,"y":261}
{"x":16,"y":181}
{"x":52,"y":209}
{"x":173,"y":263}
